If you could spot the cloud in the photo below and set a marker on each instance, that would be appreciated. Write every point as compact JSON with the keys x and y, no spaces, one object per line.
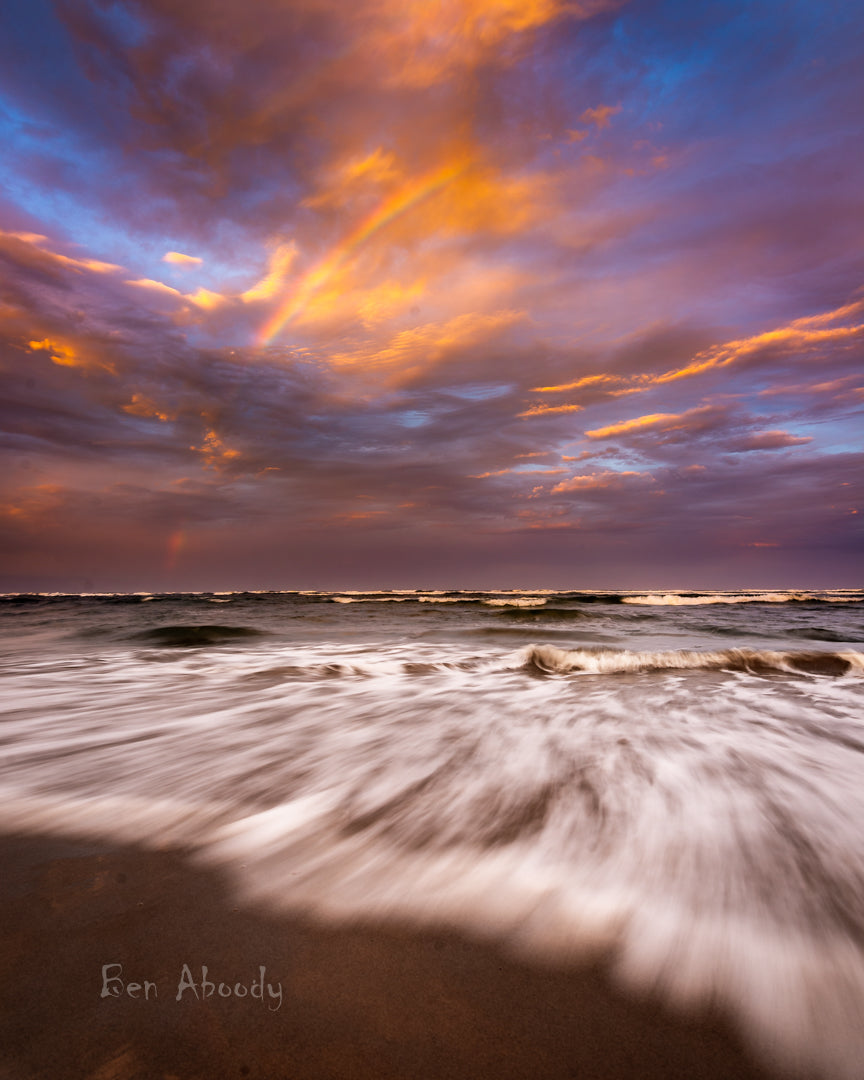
{"x":770,"y":440}
{"x":598,"y":481}
{"x":28,"y":253}
{"x":179,"y":259}
{"x":545,"y":410}
{"x":693,"y":419}
{"x":435,"y":245}
{"x":422,"y":347}
{"x":600,"y":115}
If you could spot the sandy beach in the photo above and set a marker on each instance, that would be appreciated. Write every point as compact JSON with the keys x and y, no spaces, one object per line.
{"x":355,"y":1002}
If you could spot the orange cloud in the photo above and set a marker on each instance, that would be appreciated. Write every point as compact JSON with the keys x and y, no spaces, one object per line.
{"x":65,"y":354}
{"x":638,"y":423}
{"x":460,"y":197}
{"x":515,"y":469}
{"x":323,"y":273}
{"x":214,"y":451}
{"x":587,"y":380}
{"x":792,"y":337}
{"x":421,"y":43}
{"x":425,"y":346}
{"x":805,"y":335}
{"x":600,"y":116}
{"x":355,"y":175}
{"x":545,"y":410}
{"x":143,"y":406}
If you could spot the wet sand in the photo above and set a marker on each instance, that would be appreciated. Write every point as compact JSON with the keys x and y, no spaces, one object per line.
{"x":357,"y":1003}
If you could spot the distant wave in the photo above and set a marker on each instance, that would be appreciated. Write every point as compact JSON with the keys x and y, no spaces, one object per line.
{"x":490,"y":597}
{"x":369,"y":599}
{"x":517,"y":601}
{"x":688,"y":599}
{"x":184,"y":637}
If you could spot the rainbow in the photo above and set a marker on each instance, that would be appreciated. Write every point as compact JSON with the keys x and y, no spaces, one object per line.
{"x":392,"y":207}
{"x":176,"y":542}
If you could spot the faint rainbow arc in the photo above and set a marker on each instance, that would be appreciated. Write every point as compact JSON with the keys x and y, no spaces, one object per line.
{"x":176,"y":543}
{"x":391,"y":208}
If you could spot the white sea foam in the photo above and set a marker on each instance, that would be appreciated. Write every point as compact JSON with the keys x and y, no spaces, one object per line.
{"x":696,"y":815}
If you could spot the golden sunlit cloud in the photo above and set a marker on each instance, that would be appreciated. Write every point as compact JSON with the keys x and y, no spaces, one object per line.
{"x":65,"y":354}
{"x":274,"y":280}
{"x":205,"y":298}
{"x":638,"y":423}
{"x":180,"y":259}
{"x":595,"y":481}
{"x":588,"y":380}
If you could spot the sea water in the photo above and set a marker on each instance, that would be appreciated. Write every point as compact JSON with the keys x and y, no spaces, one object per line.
{"x":674,"y":781}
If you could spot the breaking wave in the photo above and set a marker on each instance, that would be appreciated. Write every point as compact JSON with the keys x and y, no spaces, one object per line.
{"x":553,"y":661}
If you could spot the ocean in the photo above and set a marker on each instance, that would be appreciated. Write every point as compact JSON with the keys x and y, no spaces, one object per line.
{"x":674,"y":780}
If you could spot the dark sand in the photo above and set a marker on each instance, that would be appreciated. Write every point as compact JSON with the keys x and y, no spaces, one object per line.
{"x":357,"y":1003}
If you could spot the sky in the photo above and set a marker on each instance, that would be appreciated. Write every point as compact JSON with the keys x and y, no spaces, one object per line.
{"x":431,"y":293}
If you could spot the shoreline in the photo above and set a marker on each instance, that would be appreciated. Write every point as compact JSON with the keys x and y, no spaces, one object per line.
{"x":358,"y":1002}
